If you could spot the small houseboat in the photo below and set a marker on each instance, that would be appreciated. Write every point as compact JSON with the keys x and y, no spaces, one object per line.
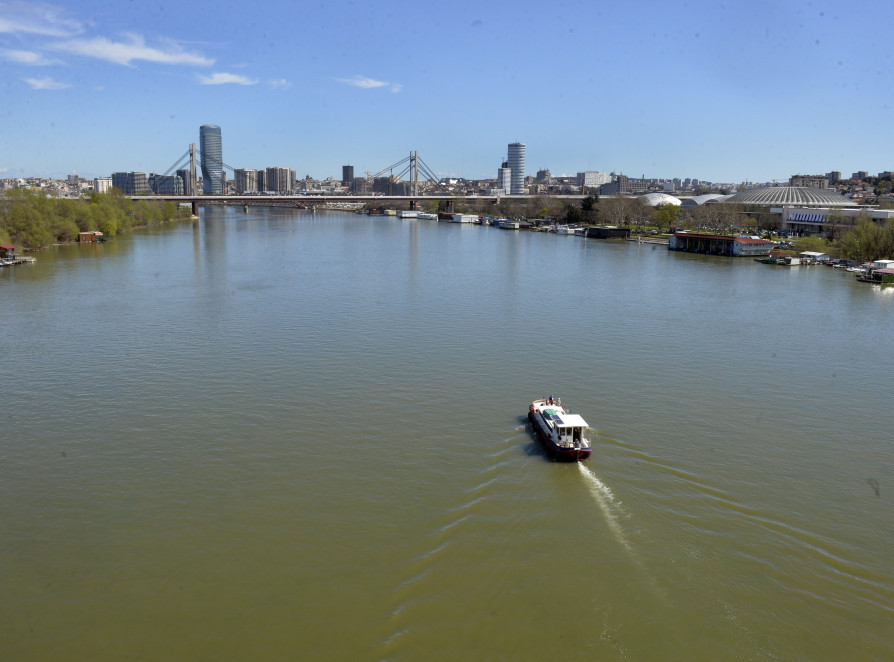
{"x":561,"y":432}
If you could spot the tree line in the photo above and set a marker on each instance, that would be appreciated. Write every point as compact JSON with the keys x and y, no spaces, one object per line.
{"x":31,"y":219}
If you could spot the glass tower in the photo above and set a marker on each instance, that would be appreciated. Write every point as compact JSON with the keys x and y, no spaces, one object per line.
{"x":212,"y":159}
{"x":517,"y":164}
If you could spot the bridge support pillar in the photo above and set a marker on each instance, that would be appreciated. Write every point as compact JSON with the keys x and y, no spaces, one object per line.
{"x":412,"y":205}
{"x":195,"y":207}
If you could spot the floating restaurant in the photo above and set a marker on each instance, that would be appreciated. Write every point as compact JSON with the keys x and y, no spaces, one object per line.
{"x":608,"y":232}
{"x":718,"y":244}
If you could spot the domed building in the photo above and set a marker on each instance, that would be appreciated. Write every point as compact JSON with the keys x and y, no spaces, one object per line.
{"x":655,"y":199}
{"x":805,"y":210}
{"x":790,"y":196}
{"x":707,"y":199}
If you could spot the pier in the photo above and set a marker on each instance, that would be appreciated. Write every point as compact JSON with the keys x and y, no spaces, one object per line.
{"x":8,"y":262}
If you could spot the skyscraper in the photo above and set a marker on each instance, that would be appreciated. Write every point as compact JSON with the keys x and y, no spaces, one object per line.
{"x":517,"y":164}
{"x":212,"y":159}
{"x":347,"y":174}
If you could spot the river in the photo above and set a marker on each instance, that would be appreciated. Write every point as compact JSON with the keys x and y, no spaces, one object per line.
{"x":277,"y":435}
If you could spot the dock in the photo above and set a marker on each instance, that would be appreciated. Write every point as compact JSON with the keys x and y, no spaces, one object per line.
{"x":8,"y":262}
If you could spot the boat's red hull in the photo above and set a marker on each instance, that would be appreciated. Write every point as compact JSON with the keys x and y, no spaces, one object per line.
{"x":555,"y":451}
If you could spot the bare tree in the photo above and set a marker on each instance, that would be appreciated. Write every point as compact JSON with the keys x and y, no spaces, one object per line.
{"x":614,"y":210}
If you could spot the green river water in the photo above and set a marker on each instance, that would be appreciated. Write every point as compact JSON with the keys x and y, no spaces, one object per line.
{"x":283,"y":436}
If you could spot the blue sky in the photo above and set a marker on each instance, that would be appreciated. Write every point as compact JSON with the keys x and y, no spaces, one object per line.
{"x":727,"y":92}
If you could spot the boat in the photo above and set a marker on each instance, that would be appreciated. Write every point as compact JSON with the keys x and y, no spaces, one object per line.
{"x":561,"y":432}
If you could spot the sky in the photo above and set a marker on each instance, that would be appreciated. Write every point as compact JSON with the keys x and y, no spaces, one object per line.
{"x":720,"y":91}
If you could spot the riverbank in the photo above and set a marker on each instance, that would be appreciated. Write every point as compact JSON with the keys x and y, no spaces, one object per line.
{"x":30,"y":220}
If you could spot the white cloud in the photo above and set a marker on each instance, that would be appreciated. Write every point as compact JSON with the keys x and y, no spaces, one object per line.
{"x":27,"y":57}
{"x":221,"y":78}
{"x":362,"y":81}
{"x":135,"y":48}
{"x":18,"y":17}
{"x":45,"y":84}
{"x":370,"y":83}
{"x":280,"y":82}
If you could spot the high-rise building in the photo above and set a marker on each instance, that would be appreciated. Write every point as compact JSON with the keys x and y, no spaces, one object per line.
{"x":245,"y":179}
{"x":504,"y":178}
{"x":517,"y":164}
{"x":360,"y":186}
{"x":280,"y":180}
{"x":347,"y":175}
{"x":130,"y":183}
{"x":102,"y":184}
{"x":212,"y":159}
{"x":592,"y":179}
{"x":813,"y":181}
{"x":188,"y":187}
{"x":165,"y":184}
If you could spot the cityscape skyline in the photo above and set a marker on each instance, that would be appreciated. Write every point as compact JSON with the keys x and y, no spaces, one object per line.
{"x":642,"y":91}
{"x":511,"y":175}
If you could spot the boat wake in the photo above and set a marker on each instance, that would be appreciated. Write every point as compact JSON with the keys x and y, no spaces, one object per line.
{"x":605,"y":499}
{"x":611,"y":509}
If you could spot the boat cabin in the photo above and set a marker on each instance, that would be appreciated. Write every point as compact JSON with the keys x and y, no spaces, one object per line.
{"x":813,"y":257}
{"x":569,"y":427}
{"x":7,"y":251}
{"x":93,"y":235}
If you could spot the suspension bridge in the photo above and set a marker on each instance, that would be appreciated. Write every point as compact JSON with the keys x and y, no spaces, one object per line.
{"x":411,"y":166}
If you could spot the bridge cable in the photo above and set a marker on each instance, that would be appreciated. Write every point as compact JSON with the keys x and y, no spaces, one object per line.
{"x":427,"y":171}
{"x":176,"y":163}
{"x":391,"y":167}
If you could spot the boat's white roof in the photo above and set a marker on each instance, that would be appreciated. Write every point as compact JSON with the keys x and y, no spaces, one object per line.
{"x":572,"y":420}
